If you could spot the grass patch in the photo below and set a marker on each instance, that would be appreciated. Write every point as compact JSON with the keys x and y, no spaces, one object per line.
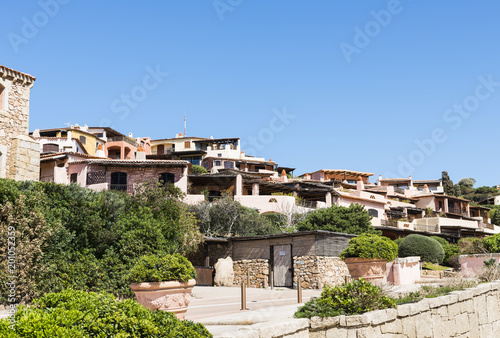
{"x":435,"y":267}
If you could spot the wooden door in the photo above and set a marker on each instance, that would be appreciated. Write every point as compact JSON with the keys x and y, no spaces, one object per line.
{"x":282,"y":267}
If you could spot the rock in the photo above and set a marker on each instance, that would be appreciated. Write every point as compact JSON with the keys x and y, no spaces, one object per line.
{"x":224,"y":272}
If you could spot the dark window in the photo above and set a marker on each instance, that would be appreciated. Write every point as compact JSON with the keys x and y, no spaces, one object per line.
{"x":160,"y":149}
{"x":219,"y":155}
{"x":440,"y":205}
{"x":50,"y":148}
{"x":83,"y":139}
{"x":118,"y":181}
{"x":73,"y":178}
{"x":373,"y":212}
{"x":196,"y":160}
{"x":217,"y":163}
{"x":228,"y":165}
{"x":167,"y":178}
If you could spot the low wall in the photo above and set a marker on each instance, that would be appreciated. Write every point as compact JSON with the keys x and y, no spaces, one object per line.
{"x":472,"y":312}
{"x":471,"y":265}
{"x":256,"y":270}
{"x":404,"y":271}
{"x":317,"y":271}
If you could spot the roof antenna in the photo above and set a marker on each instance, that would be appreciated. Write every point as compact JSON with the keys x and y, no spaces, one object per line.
{"x":185,"y":125}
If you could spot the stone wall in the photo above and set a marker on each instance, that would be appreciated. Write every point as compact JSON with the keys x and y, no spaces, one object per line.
{"x":19,"y":158}
{"x":472,"y":312}
{"x":317,"y":271}
{"x":257,"y":269}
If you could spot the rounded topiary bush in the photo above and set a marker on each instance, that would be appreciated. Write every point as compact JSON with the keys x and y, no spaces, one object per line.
{"x":427,"y":248}
{"x":371,"y":246}
{"x":161,"y":268}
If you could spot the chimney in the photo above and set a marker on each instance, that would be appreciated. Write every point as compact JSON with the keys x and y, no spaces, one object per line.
{"x":283,"y":177}
{"x":100,"y":151}
{"x":242,"y":154}
{"x":426,"y":189}
{"x":359,"y":184}
{"x":141,"y":153}
{"x":307,"y":176}
{"x":130,"y":135}
{"x":69,"y":135}
{"x":379,"y":180}
{"x":36,"y":133}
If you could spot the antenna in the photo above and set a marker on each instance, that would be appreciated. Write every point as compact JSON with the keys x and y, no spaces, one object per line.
{"x":185,"y":125}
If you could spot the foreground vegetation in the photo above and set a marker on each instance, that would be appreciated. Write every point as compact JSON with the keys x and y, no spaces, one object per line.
{"x":72,"y":237}
{"x":80,"y":314}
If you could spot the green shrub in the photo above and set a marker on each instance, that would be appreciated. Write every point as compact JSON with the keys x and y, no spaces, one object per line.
{"x":371,"y":246}
{"x":80,"y":314}
{"x":427,"y":248}
{"x":472,"y":245}
{"x":450,"y":250}
{"x":197,"y":170}
{"x":356,"y":297}
{"x":492,"y":243}
{"x":161,"y":268}
{"x":398,"y":241}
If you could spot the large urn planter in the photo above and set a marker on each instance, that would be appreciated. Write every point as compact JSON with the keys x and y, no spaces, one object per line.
{"x":372,"y":270}
{"x":169,"y":296}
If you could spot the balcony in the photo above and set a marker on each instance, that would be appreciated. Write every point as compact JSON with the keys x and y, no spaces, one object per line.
{"x":128,"y":188}
{"x":122,"y":139}
{"x":167,"y":151}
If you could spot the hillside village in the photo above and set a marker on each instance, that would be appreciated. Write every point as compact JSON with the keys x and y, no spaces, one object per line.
{"x":101,"y":158}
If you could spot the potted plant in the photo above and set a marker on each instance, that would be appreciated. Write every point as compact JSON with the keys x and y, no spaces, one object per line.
{"x":367,"y":255}
{"x":163,"y":282}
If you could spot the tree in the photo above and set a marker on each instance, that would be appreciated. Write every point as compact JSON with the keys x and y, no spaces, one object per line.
{"x":197,"y":170}
{"x":466,"y":186}
{"x":352,"y":220}
{"x":447,"y":184}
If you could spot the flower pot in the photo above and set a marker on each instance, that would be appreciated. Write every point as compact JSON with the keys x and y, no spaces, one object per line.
{"x":372,"y":270}
{"x":169,"y":296}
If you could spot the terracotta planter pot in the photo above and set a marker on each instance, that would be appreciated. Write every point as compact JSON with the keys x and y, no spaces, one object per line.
{"x":372,"y":270}
{"x":165,"y":296}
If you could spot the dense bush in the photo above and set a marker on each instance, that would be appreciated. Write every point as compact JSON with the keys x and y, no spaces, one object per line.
{"x":472,"y":245}
{"x":352,"y":220}
{"x":492,"y":243}
{"x":371,"y":246}
{"x":450,"y":250}
{"x":161,"y":268}
{"x":80,"y":314}
{"x":356,"y":297}
{"x":197,"y":170}
{"x":427,"y":248}
{"x":398,"y":241}
{"x":72,"y":237}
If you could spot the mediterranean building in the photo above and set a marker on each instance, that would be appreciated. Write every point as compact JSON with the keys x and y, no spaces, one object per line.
{"x":19,"y":153}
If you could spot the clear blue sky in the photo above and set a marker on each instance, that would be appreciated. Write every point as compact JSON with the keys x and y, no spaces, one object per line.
{"x":362,"y":92}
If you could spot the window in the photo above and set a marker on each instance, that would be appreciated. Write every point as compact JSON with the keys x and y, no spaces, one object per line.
{"x":196,"y":160}
{"x":167,"y":178}
{"x":160,"y":149}
{"x":217,"y":163}
{"x":187,"y":144}
{"x":83,"y":139}
{"x":228,"y":165}
{"x":118,"y":181}
{"x":219,"y":155}
{"x":373,"y":213}
{"x":50,"y":148}
{"x":73,"y":178}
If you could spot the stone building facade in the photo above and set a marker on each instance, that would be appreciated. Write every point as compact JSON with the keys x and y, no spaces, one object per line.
{"x":19,"y":153}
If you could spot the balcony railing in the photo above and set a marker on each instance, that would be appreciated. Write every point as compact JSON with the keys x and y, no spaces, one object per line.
{"x":122,"y":187}
{"x":308,"y":204}
{"x":425,"y":227}
{"x":122,"y":138}
{"x":165,"y":151}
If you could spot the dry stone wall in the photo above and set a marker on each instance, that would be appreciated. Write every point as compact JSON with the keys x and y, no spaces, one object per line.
{"x":472,"y":312}
{"x":317,"y":271}
{"x":256,"y":270}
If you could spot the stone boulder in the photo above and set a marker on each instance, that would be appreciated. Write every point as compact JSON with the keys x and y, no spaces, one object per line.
{"x":224,"y":272}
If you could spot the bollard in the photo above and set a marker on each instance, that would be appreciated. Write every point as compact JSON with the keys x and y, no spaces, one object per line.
{"x":248,"y":277}
{"x":299,"y":291}
{"x":272,"y":280}
{"x":243,"y":297}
